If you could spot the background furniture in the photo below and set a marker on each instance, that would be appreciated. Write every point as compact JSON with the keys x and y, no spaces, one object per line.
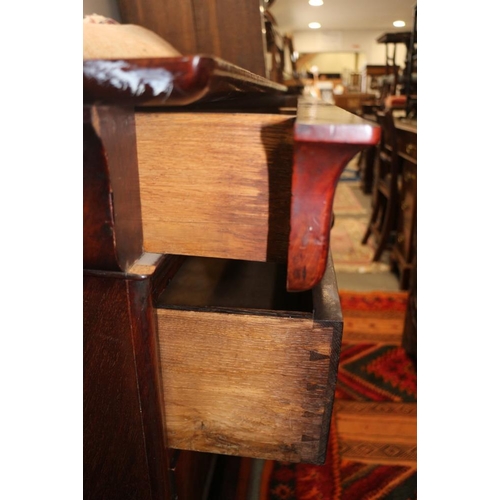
{"x":366,"y":168}
{"x":281,"y":62}
{"x":368,"y":156}
{"x":371,"y":74}
{"x":409,"y":341}
{"x":353,"y":101}
{"x":410,"y":73}
{"x":404,"y":249}
{"x":385,"y":204}
{"x":392,"y":81}
{"x":394,"y":196}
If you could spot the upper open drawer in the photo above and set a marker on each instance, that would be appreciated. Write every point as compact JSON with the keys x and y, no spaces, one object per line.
{"x":210,"y":182}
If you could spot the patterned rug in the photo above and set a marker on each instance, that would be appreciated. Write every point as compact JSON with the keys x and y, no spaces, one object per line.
{"x":352,"y":210}
{"x":348,"y":254}
{"x":346,"y":202}
{"x":372,"y":452}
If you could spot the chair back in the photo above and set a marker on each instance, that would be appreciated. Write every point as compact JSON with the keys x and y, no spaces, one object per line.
{"x":388,"y":159}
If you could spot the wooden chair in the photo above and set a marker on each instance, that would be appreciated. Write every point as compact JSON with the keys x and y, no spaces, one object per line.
{"x":366,"y":160}
{"x":383,"y":219}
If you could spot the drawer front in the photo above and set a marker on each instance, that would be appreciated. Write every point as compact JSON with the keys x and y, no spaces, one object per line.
{"x":215,"y":187}
{"x":247,"y":381}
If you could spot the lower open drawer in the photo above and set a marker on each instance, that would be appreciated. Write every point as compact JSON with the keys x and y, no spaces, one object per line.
{"x":247,"y":368}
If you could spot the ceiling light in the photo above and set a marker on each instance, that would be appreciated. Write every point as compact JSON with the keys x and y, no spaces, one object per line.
{"x":399,"y":24}
{"x":314,"y":26}
{"x":316,"y":3}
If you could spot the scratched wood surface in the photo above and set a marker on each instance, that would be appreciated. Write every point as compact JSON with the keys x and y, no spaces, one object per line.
{"x":170,"y":81}
{"x":215,"y":184}
{"x":246,"y":381}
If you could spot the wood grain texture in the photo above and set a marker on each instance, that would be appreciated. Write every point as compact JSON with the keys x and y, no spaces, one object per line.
{"x":250,"y":383}
{"x":220,"y":31}
{"x":112,"y":231}
{"x":215,"y":184}
{"x":320,"y":121}
{"x":233,"y":170}
{"x":170,"y":19}
{"x":124,"y":441}
{"x":219,"y":184}
{"x":316,"y":171}
{"x":205,"y":26}
{"x":326,"y":139}
{"x":248,"y":388}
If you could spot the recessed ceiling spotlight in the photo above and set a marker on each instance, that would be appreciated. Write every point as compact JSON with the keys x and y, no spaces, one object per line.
{"x":314,"y":26}
{"x":398,"y":24}
{"x":316,"y":3}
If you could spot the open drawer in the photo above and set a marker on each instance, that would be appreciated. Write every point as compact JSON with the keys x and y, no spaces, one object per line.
{"x":236,"y":185}
{"x":247,"y":368}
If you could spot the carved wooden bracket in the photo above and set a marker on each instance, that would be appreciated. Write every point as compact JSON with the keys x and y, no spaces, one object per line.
{"x":326,"y":139}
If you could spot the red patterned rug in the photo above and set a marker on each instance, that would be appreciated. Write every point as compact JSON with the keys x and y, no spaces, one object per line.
{"x":372,"y":445}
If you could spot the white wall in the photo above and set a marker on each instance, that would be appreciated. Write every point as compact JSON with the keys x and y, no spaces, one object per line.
{"x":364,"y":42}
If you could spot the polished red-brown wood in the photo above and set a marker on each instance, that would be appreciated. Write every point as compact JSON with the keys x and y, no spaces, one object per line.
{"x":112,"y":228}
{"x":169,"y":81}
{"x":124,"y":441}
{"x":326,"y":139}
{"x":123,"y":437}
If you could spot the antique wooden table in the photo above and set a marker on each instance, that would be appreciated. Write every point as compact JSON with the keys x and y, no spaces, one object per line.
{"x":204,"y":207}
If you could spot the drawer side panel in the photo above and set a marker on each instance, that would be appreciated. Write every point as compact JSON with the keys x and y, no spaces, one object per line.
{"x":254,"y":386}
